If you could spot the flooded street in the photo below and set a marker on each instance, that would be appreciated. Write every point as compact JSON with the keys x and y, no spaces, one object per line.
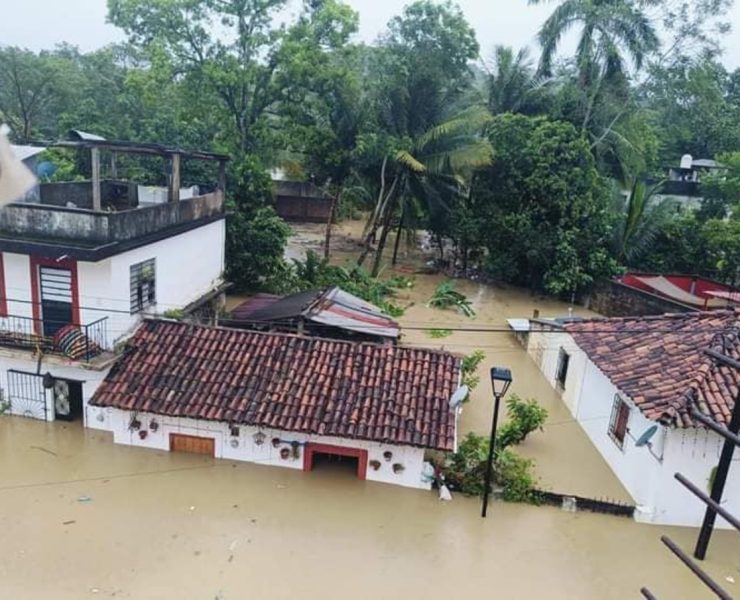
{"x":83,"y":518}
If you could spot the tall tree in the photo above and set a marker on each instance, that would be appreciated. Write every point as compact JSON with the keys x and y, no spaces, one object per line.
{"x":612,"y":32}
{"x":230,"y":45}
{"x":513,"y":84}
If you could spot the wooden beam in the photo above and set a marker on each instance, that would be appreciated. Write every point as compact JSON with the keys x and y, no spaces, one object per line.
{"x":113,"y":166}
{"x":174,"y":195}
{"x":95,"y":162}
{"x":222,"y":176}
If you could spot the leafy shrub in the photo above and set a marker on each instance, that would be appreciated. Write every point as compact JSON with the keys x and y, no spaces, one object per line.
{"x":525,"y":416}
{"x":465,"y":471}
{"x":315,"y":272}
{"x":445,"y":296}
{"x":469,"y":366}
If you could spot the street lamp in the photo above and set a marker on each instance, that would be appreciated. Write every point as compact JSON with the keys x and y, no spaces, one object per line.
{"x":500,"y":382}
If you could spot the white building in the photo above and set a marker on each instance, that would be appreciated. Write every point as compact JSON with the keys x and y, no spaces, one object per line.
{"x":630,"y":382}
{"x":81,"y":263}
{"x":282,"y":399}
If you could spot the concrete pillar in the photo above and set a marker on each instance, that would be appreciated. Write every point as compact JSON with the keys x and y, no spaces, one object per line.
{"x":95,"y":162}
{"x":174,"y":195}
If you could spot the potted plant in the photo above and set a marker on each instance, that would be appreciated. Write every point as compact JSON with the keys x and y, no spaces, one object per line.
{"x":398,"y":468}
{"x":374,"y":465}
{"x":387,"y":455}
{"x":285,"y":453}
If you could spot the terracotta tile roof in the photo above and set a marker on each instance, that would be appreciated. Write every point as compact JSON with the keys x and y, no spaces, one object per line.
{"x":660,"y":361}
{"x":310,"y":385}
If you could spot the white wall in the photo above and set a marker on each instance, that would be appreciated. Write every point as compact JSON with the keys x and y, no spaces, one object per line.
{"x":18,"y":284}
{"x":636,"y":468}
{"x":646,"y":472}
{"x":118,"y":422}
{"x":187,"y":266}
{"x":58,"y":367}
{"x":693,"y":453}
{"x":544,"y":348}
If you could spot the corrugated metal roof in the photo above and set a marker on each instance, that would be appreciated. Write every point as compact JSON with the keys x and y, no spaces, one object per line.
{"x":333,"y":307}
{"x":25,"y":152}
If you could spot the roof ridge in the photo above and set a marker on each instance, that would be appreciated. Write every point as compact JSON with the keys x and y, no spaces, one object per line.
{"x":312,"y":338}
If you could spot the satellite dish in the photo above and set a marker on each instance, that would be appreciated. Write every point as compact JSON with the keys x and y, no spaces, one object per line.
{"x":645,"y":438}
{"x":459,"y":396}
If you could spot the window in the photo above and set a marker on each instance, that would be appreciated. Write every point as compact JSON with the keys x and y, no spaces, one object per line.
{"x":562,"y":372}
{"x":618,"y":420}
{"x":143,"y":285}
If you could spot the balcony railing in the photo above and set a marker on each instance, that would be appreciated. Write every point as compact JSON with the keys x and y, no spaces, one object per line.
{"x":76,"y":342}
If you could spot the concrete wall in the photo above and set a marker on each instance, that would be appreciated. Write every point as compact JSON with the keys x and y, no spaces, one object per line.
{"x":614,"y":299}
{"x":18,"y":284}
{"x":244,"y":448}
{"x":39,"y":220}
{"x":544,"y":348}
{"x":187,"y":266}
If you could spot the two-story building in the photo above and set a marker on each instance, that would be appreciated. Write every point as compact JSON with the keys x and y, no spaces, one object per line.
{"x":83,"y":261}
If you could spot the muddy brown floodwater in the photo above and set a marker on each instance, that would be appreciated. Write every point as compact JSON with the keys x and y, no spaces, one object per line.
{"x":83,"y":518}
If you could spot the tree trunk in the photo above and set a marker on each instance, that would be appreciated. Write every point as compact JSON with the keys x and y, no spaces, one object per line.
{"x":383,"y":236}
{"x":332,"y":214}
{"x":380,"y":213}
{"x":398,"y":235}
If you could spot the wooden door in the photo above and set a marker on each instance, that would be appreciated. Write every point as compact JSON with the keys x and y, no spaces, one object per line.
{"x":192,"y":444}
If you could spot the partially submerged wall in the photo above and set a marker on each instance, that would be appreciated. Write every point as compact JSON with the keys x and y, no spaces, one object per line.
{"x":613,"y":299}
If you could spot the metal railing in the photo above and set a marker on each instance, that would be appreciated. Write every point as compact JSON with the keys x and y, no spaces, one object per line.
{"x":74,"y":341}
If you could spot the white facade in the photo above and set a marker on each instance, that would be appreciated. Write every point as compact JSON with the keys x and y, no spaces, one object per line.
{"x":14,"y":363}
{"x":243,"y":446}
{"x":646,"y":472}
{"x":187,"y":266}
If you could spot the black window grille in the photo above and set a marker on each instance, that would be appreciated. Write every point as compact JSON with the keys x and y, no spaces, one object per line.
{"x":143,"y":285}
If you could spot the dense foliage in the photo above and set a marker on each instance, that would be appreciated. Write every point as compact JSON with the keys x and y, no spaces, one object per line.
{"x":511,"y":164}
{"x":465,"y":469}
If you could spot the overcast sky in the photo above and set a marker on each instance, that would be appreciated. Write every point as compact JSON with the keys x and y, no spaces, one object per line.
{"x":38,"y":24}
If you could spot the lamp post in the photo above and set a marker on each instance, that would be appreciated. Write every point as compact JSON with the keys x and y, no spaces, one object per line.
{"x":500,"y":382}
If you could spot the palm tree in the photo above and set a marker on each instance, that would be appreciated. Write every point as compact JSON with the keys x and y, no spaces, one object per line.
{"x":428,"y":170}
{"x":513,"y":84}
{"x":611,"y":31}
{"x":639,"y":218}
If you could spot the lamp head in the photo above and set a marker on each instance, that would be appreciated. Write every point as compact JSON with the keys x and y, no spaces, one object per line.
{"x":500,"y":380}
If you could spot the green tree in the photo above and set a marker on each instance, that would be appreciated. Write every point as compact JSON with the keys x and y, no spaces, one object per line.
{"x":236,"y":60}
{"x":542,"y":207}
{"x":721,"y":191}
{"x":639,"y":218}
{"x":612,"y":32}
{"x":513,"y":84}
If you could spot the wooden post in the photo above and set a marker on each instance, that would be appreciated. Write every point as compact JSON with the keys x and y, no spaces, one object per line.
{"x":95,"y":164}
{"x":222,"y":176}
{"x":175,"y":179}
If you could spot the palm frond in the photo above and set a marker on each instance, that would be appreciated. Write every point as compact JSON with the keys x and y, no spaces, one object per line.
{"x":405,"y":158}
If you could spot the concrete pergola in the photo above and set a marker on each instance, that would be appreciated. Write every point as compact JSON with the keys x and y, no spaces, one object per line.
{"x":95,"y":144}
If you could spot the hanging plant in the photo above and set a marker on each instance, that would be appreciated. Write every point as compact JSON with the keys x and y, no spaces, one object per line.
{"x":259,"y":438}
{"x":234,"y":443}
{"x":374,"y":465}
{"x":387,"y":455}
{"x":285,"y":453}
{"x":398,"y":468}
{"x":154,"y":426}
{"x":143,"y":433}
{"x":134,"y":424}
{"x":275,"y":442}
